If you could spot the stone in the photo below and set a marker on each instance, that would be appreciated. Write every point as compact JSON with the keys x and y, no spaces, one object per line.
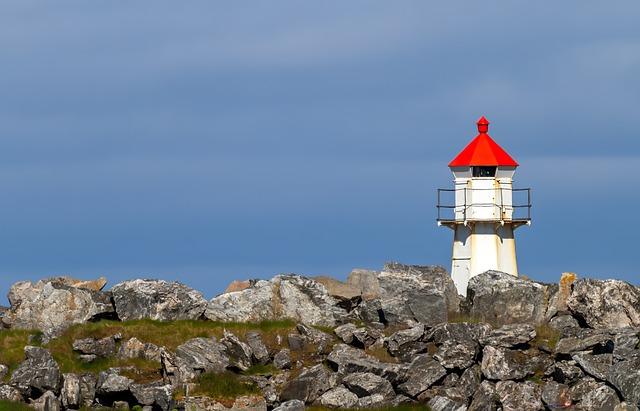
{"x":88,"y":383}
{"x":439,"y":403}
{"x":111,"y":385}
{"x":459,"y":354}
{"x":584,"y":340}
{"x":518,"y":396}
{"x":52,"y":305}
{"x":625,"y":406}
{"x":595,"y":365}
{"x":238,"y":285}
{"x":556,"y":396}
{"x":346,"y":359}
{"x":406,"y":343}
{"x":564,"y":323}
{"x":37,"y":374}
{"x":625,"y":376}
{"x":293,"y":405}
{"x":603,"y":398}
{"x":120,"y":405}
{"x":371,"y":402}
{"x":366,"y":337}
{"x":469,"y":381}
{"x":153,"y":394}
{"x":47,"y":402}
{"x":103,"y":347}
{"x":244,"y":403}
{"x":365,"y":384}
{"x":509,"y":336}
{"x":507,"y":364}
{"x":258,"y":349}
{"x":339,"y":397}
{"x":192,"y":358}
{"x":337,"y":288}
{"x":322,"y":341}
{"x":157,"y":300}
{"x":70,"y":393}
{"x":567,"y":372}
{"x":345,"y":332}
{"x":500,"y":298}
{"x":410,"y":294}
{"x":285,"y":296}
{"x":625,"y":342}
{"x":239,"y":353}
{"x":4,"y":370}
{"x":422,"y":373}
{"x":444,"y":332}
{"x":582,"y":387}
{"x":9,"y":393}
{"x":308,"y":386}
{"x":282,"y":360}
{"x":605,"y":303}
{"x":134,"y":348}
{"x":485,"y":398}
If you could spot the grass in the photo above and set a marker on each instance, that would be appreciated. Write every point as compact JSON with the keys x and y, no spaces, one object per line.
{"x":12,"y":344}
{"x":546,"y":335}
{"x":223,"y":387}
{"x":259,"y":369}
{"x":459,"y":317}
{"x":14,"y":406}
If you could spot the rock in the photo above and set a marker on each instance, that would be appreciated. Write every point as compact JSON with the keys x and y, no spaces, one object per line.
{"x":624,"y":406}
{"x":293,"y":405}
{"x":345,"y":332}
{"x":509,"y":336}
{"x":459,"y":355}
{"x":47,"y":402}
{"x":422,"y":373}
{"x":439,"y":403}
{"x":239,"y":353}
{"x":282,"y":360}
{"x":308,"y":386}
{"x":258,"y":349}
{"x":104,"y":347}
{"x":364,"y":384}
{"x":595,"y":365}
{"x":88,"y":383}
{"x":134,"y":348}
{"x":516,"y":396}
{"x":556,"y":396}
{"x":582,"y":387}
{"x":37,"y":374}
{"x":157,"y":300}
{"x":409,"y":294}
{"x":624,"y":343}
{"x":603,"y":398}
{"x":337,"y":288}
{"x":346,"y":360}
{"x":153,"y":394}
{"x":70,"y":394}
{"x":444,"y":332}
{"x":9,"y":393}
{"x":52,"y":305}
{"x":564,"y":323}
{"x":371,"y":402}
{"x":284,"y":296}
{"x":120,"y":405}
{"x":625,"y":376}
{"x":238,"y":285}
{"x":584,"y":340}
{"x":192,"y":358}
{"x":567,"y":372}
{"x":406,"y":343}
{"x":319,"y":339}
{"x":366,"y":337}
{"x":485,"y":398}
{"x":244,"y":403}
{"x":111,"y":386}
{"x":4,"y":370}
{"x":500,"y":298}
{"x":296,"y":342}
{"x":339,"y":397}
{"x":507,"y":364}
{"x":605,"y":303}
{"x":469,"y":381}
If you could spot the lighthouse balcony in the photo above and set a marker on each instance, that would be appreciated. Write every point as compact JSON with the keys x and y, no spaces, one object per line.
{"x":469,"y":205}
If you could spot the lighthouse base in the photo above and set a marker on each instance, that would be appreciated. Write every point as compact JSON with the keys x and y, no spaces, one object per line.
{"x":479,"y":247}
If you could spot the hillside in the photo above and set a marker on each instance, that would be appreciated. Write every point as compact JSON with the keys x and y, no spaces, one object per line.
{"x":400,"y":338}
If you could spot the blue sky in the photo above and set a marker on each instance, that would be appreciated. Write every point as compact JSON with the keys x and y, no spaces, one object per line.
{"x":210,"y":141}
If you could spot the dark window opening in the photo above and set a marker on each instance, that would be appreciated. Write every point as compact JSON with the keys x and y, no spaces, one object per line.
{"x":484,"y":171}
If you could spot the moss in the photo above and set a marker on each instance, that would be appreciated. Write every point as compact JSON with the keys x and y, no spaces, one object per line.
{"x":223,"y":387}
{"x":14,"y":406}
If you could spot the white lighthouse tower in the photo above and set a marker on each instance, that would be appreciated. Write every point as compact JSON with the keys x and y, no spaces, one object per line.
{"x":483,"y":209}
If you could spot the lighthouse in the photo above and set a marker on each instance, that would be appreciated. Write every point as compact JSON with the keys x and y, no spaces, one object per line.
{"x":483,"y":209}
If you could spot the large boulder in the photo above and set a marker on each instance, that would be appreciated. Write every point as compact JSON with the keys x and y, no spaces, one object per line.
{"x":518,"y":396}
{"x":37,"y":374}
{"x":507,"y":364}
{"x":54,"y":304}
{"x":625,"y":376}
{"x":284,"y":296}
{"x":500,"y":298}
{"x":193,"y":358}
{"x":423,"y":372}
{"x":605,"y":303}
{"x":308,"y":386}
{"x":416,"y":294}
{"x":157,"y":300}
{"x":346,"y":359}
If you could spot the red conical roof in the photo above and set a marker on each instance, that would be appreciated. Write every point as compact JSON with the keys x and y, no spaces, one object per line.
{"x":483,"y":151}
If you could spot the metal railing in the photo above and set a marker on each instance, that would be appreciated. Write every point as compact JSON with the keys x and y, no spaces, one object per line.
{"x":519,"y":212}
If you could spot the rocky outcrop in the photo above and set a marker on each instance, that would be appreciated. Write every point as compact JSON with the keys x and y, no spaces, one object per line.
{"x":605,"y":304}
{"x":52,"y":305}
{"x":193,"y":358}
{"x":157,"y":300}
{"x":38,"y":373}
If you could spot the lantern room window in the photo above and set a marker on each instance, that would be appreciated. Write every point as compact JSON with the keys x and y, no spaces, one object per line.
{"x":484,"y":171}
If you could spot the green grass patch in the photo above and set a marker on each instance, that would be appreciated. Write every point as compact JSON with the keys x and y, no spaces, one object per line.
{"x":260,"y":369}
{"x":14,"y":406}
{"x":224,"y":387}
{"x":546,"y":335}
{"x":12,"y":343}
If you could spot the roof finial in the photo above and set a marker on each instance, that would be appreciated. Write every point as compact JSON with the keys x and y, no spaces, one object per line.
{"x":483,"y":125}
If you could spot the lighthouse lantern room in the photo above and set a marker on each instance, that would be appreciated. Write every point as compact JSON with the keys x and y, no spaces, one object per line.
{"x":483,"y":209}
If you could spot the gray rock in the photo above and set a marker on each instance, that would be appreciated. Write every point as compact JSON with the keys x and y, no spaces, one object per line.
{"x":52,"y":305}
{"x":409,"y":294}
{"x":594,"y":365}
{"x":37,"y":374}
{"x":509,"y":335}
{"x":605,"y":303}
{"x":564,"y":323}
{"x":319,"y":339}
{"x":625,"y":376}
{"x":500,"y":298}
{"x":371,"y":402}
{"x":567,"y":372}
{"x":485,"y":398}
{"x":582,"y":387}
{"x":239,"y":353}
{"x":9,"y":393}
{"x":284,"y":296}
{"x":366,"y":337}
{"x":70,"y":393}
{"x":339,"y":397}
{"x":556,"y":396}
{"x":103,"y":347}
{"x":157,"y":300}
{"x":345,"y":332}
{"x":459,"y":354}
{"x":134,"y":348}
{"x":469,"y":381}
{"x":47,"y":402}
{"x":584,"y":340}
{"x":282,"y":360}
{"x":518,"y":396}
{"x":293,"y":405}
{"x":423,"y":372}
{"x":120,"y":405}
{"x":625,"y":343}
{"x":603,"y":398}
{"x":153,"y":394}
{"x":4,"y":370}
{"x":507,"y":364}
{"x":192,"y":358}
{"x":346,"y":360}
{"x":406,"y":343}
{"x":439,"y":403}
{"x":308,"y":386}
{"x":625,"y":406}
{"x":259,"y":350}
{"x":365,"y":384}
{"x":444,"y":332}
{"x":111,"y":384}
{"x":88,"y":383}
